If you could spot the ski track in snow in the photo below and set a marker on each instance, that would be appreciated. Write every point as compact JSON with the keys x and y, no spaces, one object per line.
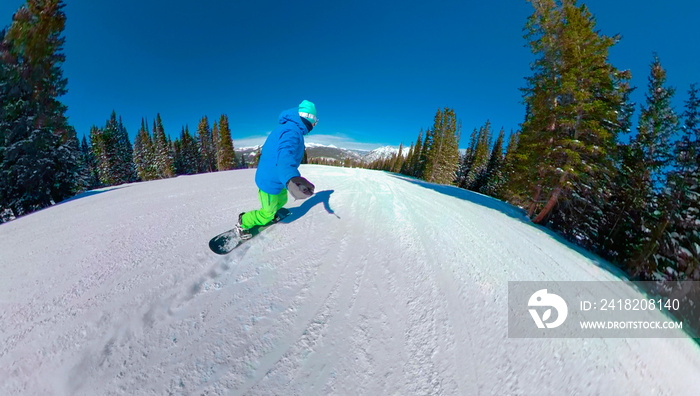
{"x":402,"y":290}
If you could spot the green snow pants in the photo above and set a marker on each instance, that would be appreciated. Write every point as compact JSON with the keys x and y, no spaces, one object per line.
{"x":270,"y":205}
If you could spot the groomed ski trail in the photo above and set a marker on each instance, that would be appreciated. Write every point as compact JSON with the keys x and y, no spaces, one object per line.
{"x":377,"y":285}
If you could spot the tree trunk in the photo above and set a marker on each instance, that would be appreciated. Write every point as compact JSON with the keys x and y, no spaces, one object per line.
{"x":553,"y":199}
{"x":533,"y":205}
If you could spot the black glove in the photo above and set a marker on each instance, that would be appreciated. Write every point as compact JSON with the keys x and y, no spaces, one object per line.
{"x":300,"y":188}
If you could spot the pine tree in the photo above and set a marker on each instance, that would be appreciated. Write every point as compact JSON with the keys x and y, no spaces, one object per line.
{"x":97,"y":148}
{"x":398,"y":160}
{"x":658,"y":124}
{"x":227,"y":156}
{"x":207,"y":147}
{"x":442,"y":154}
{"x":163,"y":157}
{"x":467,"y":161}
{"x":407,"y":162}
{"x":494,"y":170}
{"x":422,"y":161}
{"x":92,"y":178}
{"x":477,"y":176}
{"x":502,"y":191}
{"x":103,"y":150}
{"x":678,"y":256}
{"x":187,"y":156}
{"x":40,"y":153}
{"x":18,"y":136}
{"x":687,"y":150}
{"x":216,"y":139}
{"x":618,"y":235}
{"x":144,"y":154}
{"x":138,"y":154}
{"x":574,"y":101}
{"x":413,"y":167}
{"x":431,"y":155}
{"x":178,"y":159}
{"x":113,"y":153}
{"x":126,"y":154}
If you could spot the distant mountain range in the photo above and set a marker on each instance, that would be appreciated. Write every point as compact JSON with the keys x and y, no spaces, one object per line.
{"x":315,"y":150}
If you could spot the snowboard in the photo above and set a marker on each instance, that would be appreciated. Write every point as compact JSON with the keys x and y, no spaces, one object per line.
{"x":225,"y":242}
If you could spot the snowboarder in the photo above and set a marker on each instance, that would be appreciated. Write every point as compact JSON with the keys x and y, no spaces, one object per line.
{"x":278,"y":170}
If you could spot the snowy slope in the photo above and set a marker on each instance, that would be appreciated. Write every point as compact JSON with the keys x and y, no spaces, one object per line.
{"x":366,"y":291}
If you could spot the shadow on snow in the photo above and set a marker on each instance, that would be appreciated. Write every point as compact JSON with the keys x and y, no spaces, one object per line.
{"x":321,"y":197}
{"x":93,"y":192}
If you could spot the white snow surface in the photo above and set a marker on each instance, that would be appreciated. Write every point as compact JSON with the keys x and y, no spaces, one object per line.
{"x":377,"y":285}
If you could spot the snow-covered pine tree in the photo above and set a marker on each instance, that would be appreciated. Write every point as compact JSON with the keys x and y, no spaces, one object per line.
{"x":502,"y":191}
{"x":467,"y":160}
{"x":194,"y":151}
{"x":583,"y":216}
{"x":98,"y":152}
{"x":398,"y":161}
{"x":92,"y":177}
{"x":138,"y":153}
{"x":113,"y":152}
{"x":412,"y":169}
{"x":144,"y":156}
{"x":442,"y":156}
{"x":678,"y":257}
{"x":407,"y":162}
{"x":41,"y":153}
{"x":477,"y":175}
{"x":103,"y":149}
{"x":617,"y":237}
{"x":126,"y":154}
{"x":434,"y":148}
{"x":574,"y":100}
{"x":187,"y":158}
{"x":658,"y":124}
{"x":494,"y":170}
{"x":216,"y":139}
{"x":686,"y":150}
{"x":227,"y":156}
{"x":154,"y":141}
{"x":178,"y":158}
{"x":207,"y":147}
{"x":21,"y":187}
{"x":150,"y":152}
{"x":163,"y":155}
{"x":423,"y":158}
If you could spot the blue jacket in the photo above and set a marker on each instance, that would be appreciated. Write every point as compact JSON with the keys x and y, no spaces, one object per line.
{"x":282,"y":153}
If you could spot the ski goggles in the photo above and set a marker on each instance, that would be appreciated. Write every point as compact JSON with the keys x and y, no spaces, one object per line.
{"x":309,"y":116}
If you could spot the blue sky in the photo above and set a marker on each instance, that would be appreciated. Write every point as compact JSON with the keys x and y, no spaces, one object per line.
{"x":377,"y":70}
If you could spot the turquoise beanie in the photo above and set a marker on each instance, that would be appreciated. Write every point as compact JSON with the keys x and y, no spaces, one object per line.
{"x":308,"y":110}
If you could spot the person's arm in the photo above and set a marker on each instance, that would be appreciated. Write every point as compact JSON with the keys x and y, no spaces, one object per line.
{"x":287,"y":165}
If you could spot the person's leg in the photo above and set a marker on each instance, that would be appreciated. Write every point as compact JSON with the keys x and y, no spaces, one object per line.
{"x":281,"y":199}
{"x":270,"y":204}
